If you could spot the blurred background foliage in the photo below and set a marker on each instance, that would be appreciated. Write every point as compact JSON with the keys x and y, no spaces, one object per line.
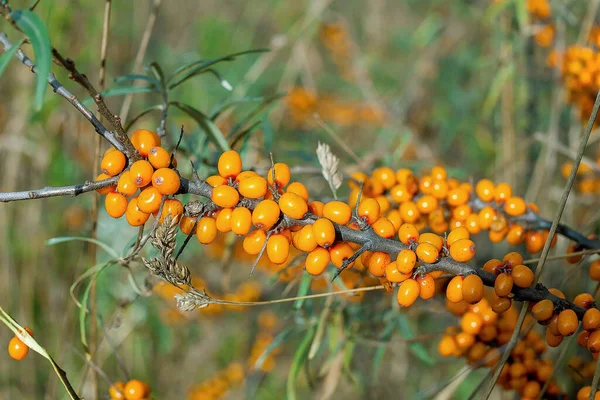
{"x":403,"y":83}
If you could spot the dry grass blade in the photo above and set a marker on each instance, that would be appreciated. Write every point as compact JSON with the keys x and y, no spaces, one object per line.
{"x":330,"y":167}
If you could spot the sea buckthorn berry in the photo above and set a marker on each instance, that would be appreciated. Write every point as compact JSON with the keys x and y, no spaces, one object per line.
{"x":557,"y":293}
{"x":126,"y":185}
{"x":485,"y":190}
{"x":372,"y":187}
{"x":384,"y":228}
{"x":439,"y":189}
{"x":584,"y":393}
{"x":293,"y":205}
{"x":522,"y":276}
{"x":17,"y":350}
{"x":513,"y":258}
{"x":534,"y":241}
{"x":135,"y":390}
{"x":408,"y":234}
{"x":241,"y":221}
{"x":171,"y":207}
{"x":377,"y":263}
{"x":224,"y":220}
{"x":457,"y":234}
{"x":493,"y":266}
{"x":216,"y":180}
{"x":400,"y":194}
{"x":229,"y":164}
{"x":552,"y":324}
{"x":471,"y":323}
{"x":409,"y":212}
{"x":265,"y":214}
{"x":386,"y":176}
{"x":454,"y":291}
{"x":593,"y":343}
{"x":502,"y":192}
{"x":316,"y":208}
{"x":337,"y":211}
{"x":299,"y":189}
{"x":457,"y":197}
{"x":595,"y":270}
{"x":187,"y":224}
{"x":317,"y":261}
{"x":282,"y":175}
{"x":117,"y":391}
{"x":462,"y":212}
{"x":503,"y":285}
{"x":427,"y":253}
{"x":438,"y":172}
{"x":141,"y":172}
{"x":408,"y":292}
{"x":305,"y":239}
{"x":206,"y":230}
{"x":225,"y":196}
{"x":144,"y":140}
{"x":426,"y":204}
{"x":113,"y":163}
{"x":447,"y":346}
{"x":462,"y":250}
{"x":501,"y":304}
{"x":582,"y":338}
{"x":433,"y":239}
{"x":395,"y":219}
{"x":393,"y":275}
{"x":591,"y":319}
{"x":543,"y":310}
{"x":457,"y":309}
{"x":115,"y":204}
{"x":244,"y":175}
{"x":464,"y":340}
{"x":159,"y":158}
{"x":427,"y":286}
{"x":472,"y":289}
{"x":166,"y":181}
{"x":134,"y":215}
{"x":254,"y":242}
{"x":472,"y":224}
{"x":253,"y":187}
{"x":105,"y":190}
{"x":406,"y":261}
{"x":553,"y":340}
{"x":324,"y":232}
{"x":486,"y":216}
{"x":515,"y":235}
{"x":573,"y":259}
{"x":515,"y":206}
{"x":149,"y":200}
{"x":567,"y":322}
{"x":339,"y":253}
{"x":278,"y":248}
{"x":369,"y":210}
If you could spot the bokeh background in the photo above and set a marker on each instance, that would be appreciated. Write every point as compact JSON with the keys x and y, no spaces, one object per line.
{"x":410,"y":83}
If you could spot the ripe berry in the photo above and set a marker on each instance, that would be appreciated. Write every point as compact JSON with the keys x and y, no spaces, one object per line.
{"x":427,"y":204}
{"x":591,"y":319}
{"x":317,"y":261}
{"x":224,"y":220}
{"x":126,"y":186}
{"x":515,"y":206}
{"x":339,"y":253}
{"x":324,"y":232}
{"x":503,"y":285}
{"x":225,"y":196}
{"x":369,"y":210}
{"x":105,"y":190}
{"x":447,"y":346}
{"x":17,"y":350}
{"x":299,"y":189}
{"x":171,"y":207}
{"x":534,"y":241}
{"x":141,"y":172}
{"x":409,"y":212}
{"x":166,"y":181}
{"x":522,"y":276}
{"x":427,"y":253}
{"x":265,"y":214}
{"x":159,"y":158}
{"x":501,"y":304}
{"x":117,"y":391}
{"x":115,"y":204}
{"x":241,"y":221}
{"x":149,"y":200}
{"x":593,"y":344}
{"x":278,"y":248}
{"x":454,"y":291}
{"x":377,"y":263}
{"x":144,"y":140}
{"x":113,"y":163}
{"x":406,"y":261}
{"x":408,"y":292}
{"x":254,"y":242}
{"x":206,"y":230}
{"x":433,"y":239}
{"x":400,"y":194}
{"x":471,"y":323}
{"x":513,"y":258}
{"x":293,"y":205}
{"x":427,"y":286}
{"x":134,"y":215}
{"x":594,"y":271}
{"x":135,"y":390}
{"x":245,"y":174}
{"x":384,"y":228}
{"x":216,"y":180}
{"x":472,"y":224}
{"x":230,"y":164}
{"x":462,"y":250}
{"x":253,"y":187}
{"x":282,"y":175}
{"x":543,"y":310}
{"x":472,"y":289}
{"x":457,"y":234}
{"x":386,"y":176}
{"x":485,"y":190}
{"x":316,"y":208}
{"x":553,"y":340}
{"x":408,"y":233}
{"x":567,"y":322}
{"x":338,"y":212}
{"x":187,"y":224}
{"x":502,"y":192}
{"x":457,"y":197}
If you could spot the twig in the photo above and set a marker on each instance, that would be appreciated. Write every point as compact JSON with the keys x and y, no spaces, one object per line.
{"x":49,"y":191}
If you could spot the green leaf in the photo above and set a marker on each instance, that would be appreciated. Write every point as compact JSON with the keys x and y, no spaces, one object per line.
{"x":299,"y":358}
{"x":123,"y":90}
{"x":275,"y":343}
{"x":212,"y":131}
{"x":220,"y":78}
{"x":220,"y":108}
{"x":158,"y":73}
{"x":302,"y":290}
{"x":83,"y":310}
{"x":8,"y":54}
{"x":33,"y":26}
{"x":134,"y":78}
{"x":416,"y":348}
{"x":494,"y":94}
{"x":57,"y":240}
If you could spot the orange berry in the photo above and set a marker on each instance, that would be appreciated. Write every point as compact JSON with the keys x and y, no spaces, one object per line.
{"x":206,"y":230}
{"x":324,"y":232}
{"x":115,"y":204}
{"x":317,"y":261}
{"x":427,"y":286}
{"x":454,"y":291}
{"x":457,"y":234}
{"x":439,"y":172}
{"x":126,"y":185}
{"x":224,"y":220}
{"x":134,"y":215}
{"x":492,"y":265}
{"x":457,"y":197}
{"x":316,"y":208}
{"x":591,"y":320}
{"x":408,"y":233}
{"x":384,"y":228}
{"x":244,"y":175}
{"x":567,"y":322}
{"x":241,"y":220}
{"x":503,"y":285}
{"x":338,"y":212}
{"x":159,"y":158}
{"x":502,"y":192}
{"x":427,"y":253}
{"x":406,"y":260}
{"x":339,"y":253}
{"x":595,"y":270}
{"x":17,"y":350}
{"x":485,"y":190}
{"x":501,"y":304}
{"x":439,"y":189}
{"x":400,"y":194}
{"x":395,"y":219}
{"x":515,"y":235}
{"x":265,"y":214}
{"x":293,"y":205}
{"x":409,"y":212}
{"x":253,"y":187}
{"x":557,"y":293}
{"x":299,"y":189}
{"x":447,"y":346}
{"x":426,"y":204}
{"x":515,"y":206}
{"x":117,"y":391}
{"x":254,"y":242}
{"x":472,"y":224}
{"x":135,"y":390}
{"x":543,"y":310}
{"x":166,"y":181}
{"x":369,"y":210}
{"x":105,"y":190}
{"x":113,"y":163}
{"x":486,"y":217}
{"x":216,"y":180}
{"x":462,"y":250}
{"x":534,"y":241}
{"x":386,"y":176}
{"x":462,"y":212}
{"x":553,"y":340}
{"x":472,"y":289}
{"x":149,"y":200}
{"x":144,"y":140}
{"x":408,"y":292}
{"x":522,"y":276}
{"x":573,"y":259}
{"x":141,"y":173}
{"x":229,"y":164}
{"x":187,"y":224}
{"x":305,"y":239}
{"x":433,"y":239}
{"x":593,"y":343}
{"x":471,"y":323}
{"x":377,"y":263}
{"x":225,"y":196}
{"x":278,"y":248}
{"x":171,"y":207}
{"x":282,"y":175}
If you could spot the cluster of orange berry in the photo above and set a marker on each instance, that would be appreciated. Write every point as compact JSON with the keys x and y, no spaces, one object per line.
{"x":154,"y":176}
{"x":509,"y":272}
{"x":219,"y":383}
{"x":18,"y":350}
{"x":482,"y":331}
{"x":541,"y":11}
{"x":132,"y":390}
{"x":336,"y":39}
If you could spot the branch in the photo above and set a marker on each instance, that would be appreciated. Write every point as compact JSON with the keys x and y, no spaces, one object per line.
{"x":49,"y":191}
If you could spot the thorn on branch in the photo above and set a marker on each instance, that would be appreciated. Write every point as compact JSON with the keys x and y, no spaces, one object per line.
{"x":350,"y":260}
